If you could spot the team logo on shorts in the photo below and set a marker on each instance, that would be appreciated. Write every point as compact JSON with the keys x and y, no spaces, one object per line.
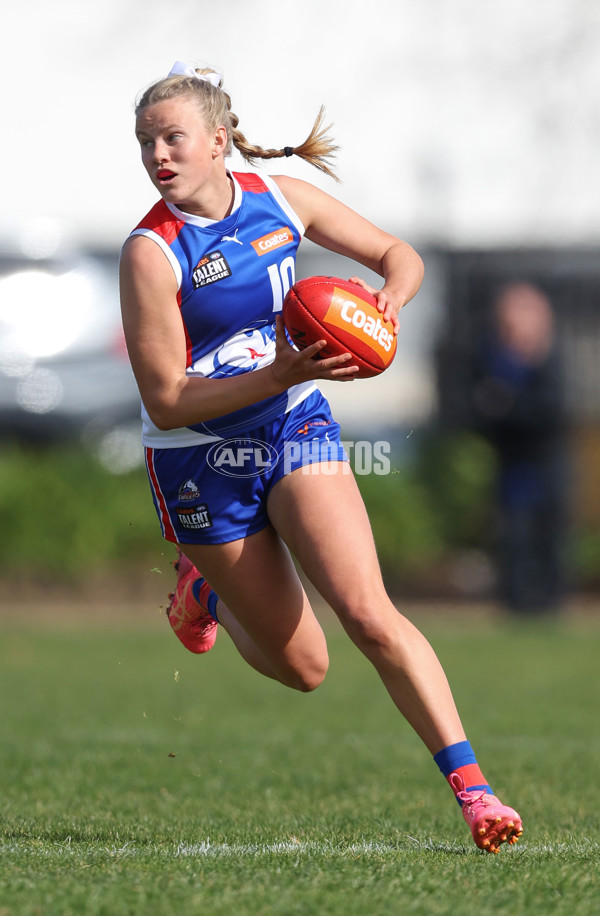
{"x":188,"y":490}
{"x":192,"y":517}
{"x":242,"y":457}
{"x":209,"y":269}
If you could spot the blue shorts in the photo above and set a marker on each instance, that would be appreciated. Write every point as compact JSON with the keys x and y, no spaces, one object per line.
{"x":217,"y":492}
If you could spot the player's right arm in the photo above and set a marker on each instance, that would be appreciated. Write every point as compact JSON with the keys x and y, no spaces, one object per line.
{"x":156,"y":345}
{"x":334,"y":226}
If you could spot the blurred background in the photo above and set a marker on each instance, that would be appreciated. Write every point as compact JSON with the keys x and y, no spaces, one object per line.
{"x":470,"y":129}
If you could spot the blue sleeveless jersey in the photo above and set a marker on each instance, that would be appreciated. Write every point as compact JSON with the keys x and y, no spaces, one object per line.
{"x":232,"y":277}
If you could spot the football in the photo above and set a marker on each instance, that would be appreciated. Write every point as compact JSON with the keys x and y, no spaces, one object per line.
{"x":346,"y":316}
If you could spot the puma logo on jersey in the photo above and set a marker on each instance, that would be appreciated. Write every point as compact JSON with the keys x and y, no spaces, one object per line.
{"x":232,"y":238}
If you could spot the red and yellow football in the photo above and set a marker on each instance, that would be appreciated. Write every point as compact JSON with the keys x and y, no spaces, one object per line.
{"x":346,"y":316}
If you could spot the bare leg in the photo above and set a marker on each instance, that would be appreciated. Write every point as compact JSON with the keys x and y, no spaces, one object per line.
{"x":264,"y":607}
{"x":320,"y":514}
{"x":324,"y":522}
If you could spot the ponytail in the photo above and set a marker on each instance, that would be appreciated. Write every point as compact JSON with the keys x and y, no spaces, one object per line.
{"x":318,"y":148}
{"x":204,"y":85}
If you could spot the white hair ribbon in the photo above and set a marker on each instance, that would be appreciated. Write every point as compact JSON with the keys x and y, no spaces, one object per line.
{"x":179,"y":68}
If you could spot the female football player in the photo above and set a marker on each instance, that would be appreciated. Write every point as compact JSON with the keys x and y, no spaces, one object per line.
{"x":244,"y":458}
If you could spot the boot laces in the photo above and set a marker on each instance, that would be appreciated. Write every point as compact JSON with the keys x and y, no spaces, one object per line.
{"x":458,"y":784}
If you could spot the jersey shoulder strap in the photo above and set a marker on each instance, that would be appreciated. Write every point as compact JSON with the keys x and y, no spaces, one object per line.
{"x":249,"y":181}
{"x":160,"y":220}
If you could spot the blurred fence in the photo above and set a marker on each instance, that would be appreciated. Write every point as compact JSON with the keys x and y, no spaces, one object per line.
{"x":571,"y":280}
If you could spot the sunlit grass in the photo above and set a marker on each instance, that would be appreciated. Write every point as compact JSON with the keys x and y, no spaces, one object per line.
{"x":138,"y":779}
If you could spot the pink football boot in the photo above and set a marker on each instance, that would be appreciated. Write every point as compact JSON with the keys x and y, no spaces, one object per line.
{"x":491,"y":822}
{"x":191,"y":621}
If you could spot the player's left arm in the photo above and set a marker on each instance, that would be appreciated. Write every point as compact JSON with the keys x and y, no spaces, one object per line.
{"x":333,"y":225}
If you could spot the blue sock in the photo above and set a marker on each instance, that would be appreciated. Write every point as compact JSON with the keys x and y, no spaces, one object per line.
{"x":459,"y":758}
{"x":205,"y":596}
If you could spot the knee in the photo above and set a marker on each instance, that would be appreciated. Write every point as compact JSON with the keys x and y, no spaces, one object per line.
{"x":372,"y":632}
{"x":307,"y":675}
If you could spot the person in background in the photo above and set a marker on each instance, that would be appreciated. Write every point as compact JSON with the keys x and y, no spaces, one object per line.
{"x":518,"y":405}
{"x":202,"y":280}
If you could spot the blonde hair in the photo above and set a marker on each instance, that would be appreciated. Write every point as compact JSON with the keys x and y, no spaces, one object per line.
{"x":215,"y":106}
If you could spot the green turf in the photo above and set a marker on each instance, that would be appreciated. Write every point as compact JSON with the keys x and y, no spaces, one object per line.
{"x":137,"y":779}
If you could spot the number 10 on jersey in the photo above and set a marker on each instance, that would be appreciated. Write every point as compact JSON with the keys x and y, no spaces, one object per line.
{"x":282,"y":277}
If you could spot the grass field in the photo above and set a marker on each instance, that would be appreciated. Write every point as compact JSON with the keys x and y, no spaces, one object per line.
{"x":138,"y":779}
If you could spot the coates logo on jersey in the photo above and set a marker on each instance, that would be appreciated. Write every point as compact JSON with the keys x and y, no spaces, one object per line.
{"x":272,"y":240}
{"x":242,"y":457}
{"x":209,"y":269}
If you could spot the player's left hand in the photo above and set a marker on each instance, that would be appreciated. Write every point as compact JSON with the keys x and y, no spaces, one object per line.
{"x":386,"y":304}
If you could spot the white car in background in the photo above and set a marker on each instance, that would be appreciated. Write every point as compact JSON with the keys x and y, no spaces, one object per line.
{"x":64,"y":370}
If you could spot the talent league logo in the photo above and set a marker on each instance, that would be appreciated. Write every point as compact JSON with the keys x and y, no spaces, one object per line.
{"x":242,"y":457}
{"x":209,"y":269}
{"x":192,"y":517}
